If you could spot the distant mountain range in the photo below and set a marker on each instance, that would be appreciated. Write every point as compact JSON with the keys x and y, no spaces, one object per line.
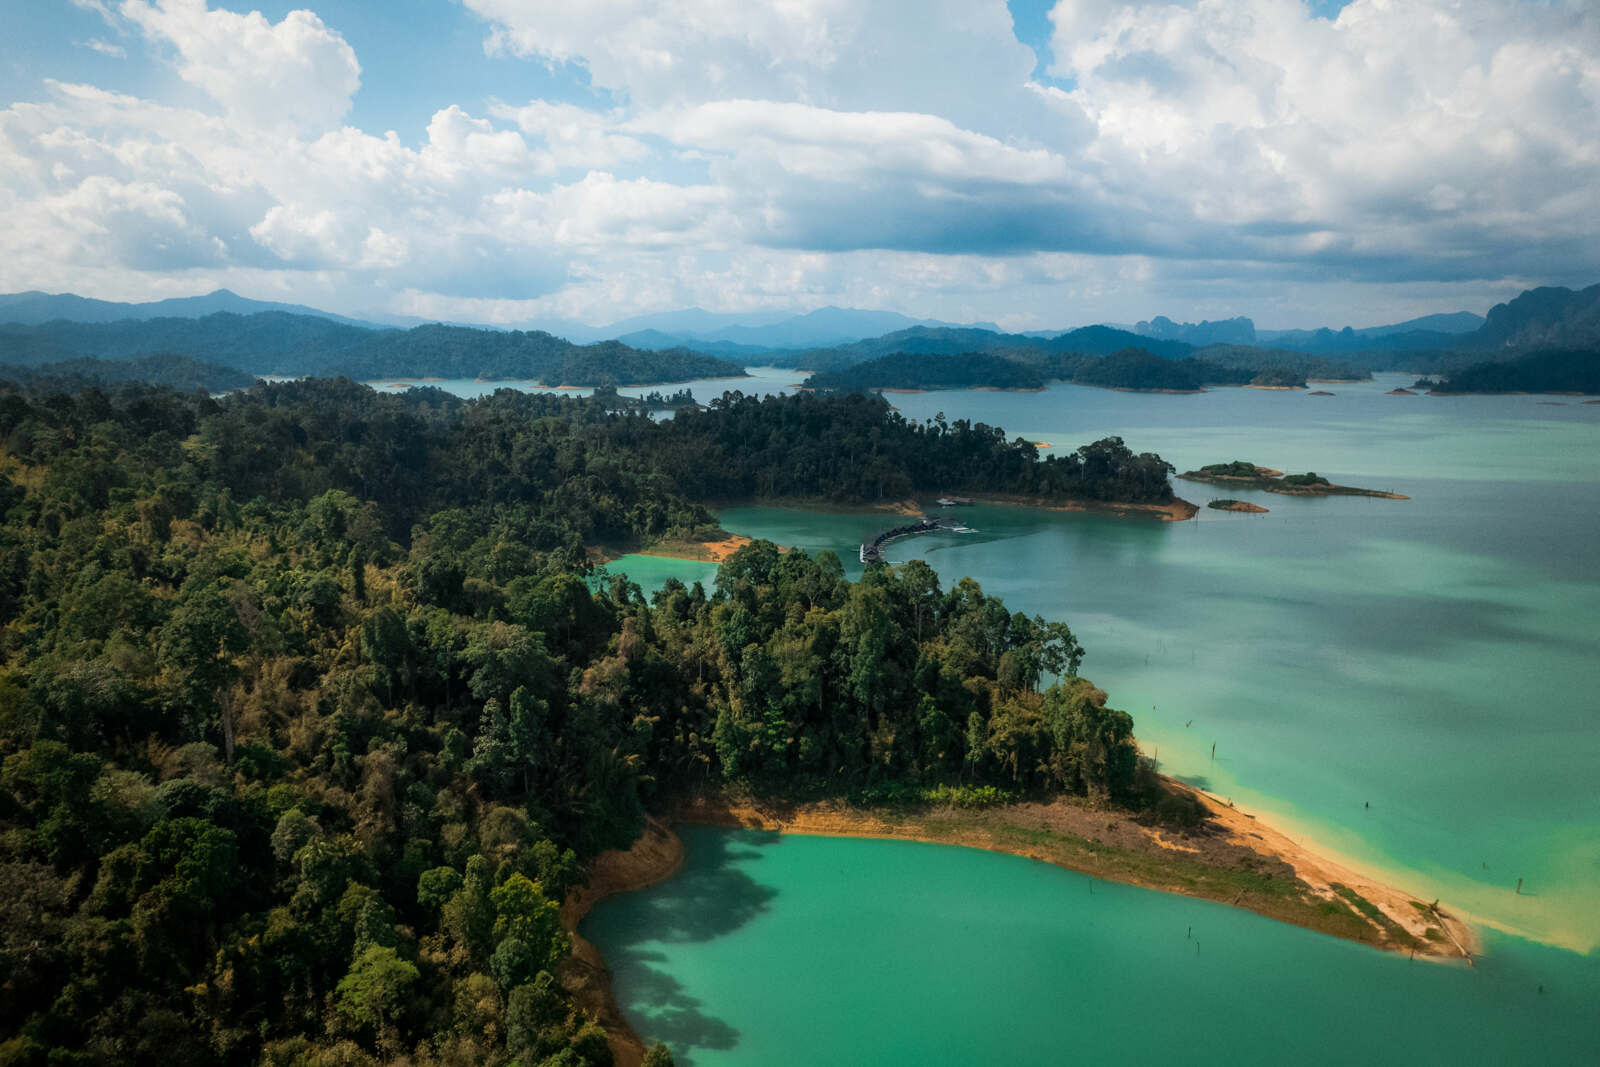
{"x":949,"y":341}
{"x":32,"y":308}
{"x":1239,"y":331}
{"x":277,"y":342}
{"x":261,"y":337}
{"x":815,"y":329}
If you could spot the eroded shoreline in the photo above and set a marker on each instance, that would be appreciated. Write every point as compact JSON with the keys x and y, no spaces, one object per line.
{"x":654,"y":857}
{"x":1232,"y":858}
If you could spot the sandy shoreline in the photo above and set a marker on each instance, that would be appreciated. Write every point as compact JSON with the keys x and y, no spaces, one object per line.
{"x":703,"y":551}
{"x":1106,"y":830}
{"x":655,"y":857}
{"x":1234,"y":858}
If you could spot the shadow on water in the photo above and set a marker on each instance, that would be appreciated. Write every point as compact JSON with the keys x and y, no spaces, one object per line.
{"x":661,"y":1010}
{"x":710,"y":898}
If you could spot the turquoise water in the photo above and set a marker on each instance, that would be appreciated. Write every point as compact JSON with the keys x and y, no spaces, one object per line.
{"x":1433,"y":658}
{"x":769,"y":949}
{"x":650,"y":573}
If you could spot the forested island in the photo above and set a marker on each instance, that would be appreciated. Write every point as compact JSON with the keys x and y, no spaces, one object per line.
{"x":285,"y":344}
{"x":1243,"y":474}
{"x":1130,"y":368}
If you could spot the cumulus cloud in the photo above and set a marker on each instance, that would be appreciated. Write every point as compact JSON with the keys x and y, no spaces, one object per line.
{"x":959,"y":59}
{"x":296,"y":73}
{"x":894,"y":154}
{"x":1402,"y":135}
{"x":135,"y":224}
{"x":574,"y":137}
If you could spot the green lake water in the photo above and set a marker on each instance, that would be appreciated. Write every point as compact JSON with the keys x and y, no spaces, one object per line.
{"x":768,"y":949}
{"x":1434,"y":658}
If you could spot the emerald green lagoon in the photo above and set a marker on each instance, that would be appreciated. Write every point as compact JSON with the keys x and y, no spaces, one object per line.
{"x":1436,"y":658}
{"x":779,"y":950}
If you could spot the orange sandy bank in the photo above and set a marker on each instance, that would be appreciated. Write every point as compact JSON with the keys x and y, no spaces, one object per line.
{"x":656,"y":856}
{"x":705,"y":551}
{"x":1232,"y":858}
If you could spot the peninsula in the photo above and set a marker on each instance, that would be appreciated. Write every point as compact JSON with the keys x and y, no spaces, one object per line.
{"x":1213,"y":851}
{"x":311,"y":701}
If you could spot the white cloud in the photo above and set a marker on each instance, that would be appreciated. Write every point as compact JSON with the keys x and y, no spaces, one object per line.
{"x":1217,"y":153}
{"x":137,"y":225}
{"x":602,"y":213}
{"x":958,"y":59}
{"x":296,"y":73}
{"x":573,"y":136}
{"x":105,"y":48}
{"x":845,"y":146}
{"x":1380,"y":127}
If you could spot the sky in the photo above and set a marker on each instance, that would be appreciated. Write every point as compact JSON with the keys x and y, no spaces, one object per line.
{"x":1036,"y":164}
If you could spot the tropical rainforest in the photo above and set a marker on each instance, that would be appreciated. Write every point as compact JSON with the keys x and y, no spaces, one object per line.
{"x":162,"y":368}
{"x":314,"y":702}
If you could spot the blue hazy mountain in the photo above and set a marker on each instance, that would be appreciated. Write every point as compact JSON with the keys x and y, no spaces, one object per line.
{"x":1445,"y":330}
{"x":277,"y":342}
{"x":34,"y":307}
{"x":1548,"y":317}
{"x":729,"y":335}
{"x":1236,"y":331}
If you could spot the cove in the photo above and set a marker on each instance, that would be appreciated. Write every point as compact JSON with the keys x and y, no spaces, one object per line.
{"x":1435,"y":658}
{"x":767,"y":949}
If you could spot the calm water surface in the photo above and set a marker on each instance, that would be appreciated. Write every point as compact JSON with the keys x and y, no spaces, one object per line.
{"x":776,"y":950}
{"x":1434,"y":658}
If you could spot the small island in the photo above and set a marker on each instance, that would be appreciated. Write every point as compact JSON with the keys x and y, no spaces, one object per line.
{"x":1242,"y":474}
{"x":1243,"y":506}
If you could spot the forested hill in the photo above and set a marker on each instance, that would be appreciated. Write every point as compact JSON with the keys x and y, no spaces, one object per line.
{"x":1553,"y":317}
{"x":1129,"y":368}
{"x":279,"y":343}
{"x":310,"y":710}
{"x":1089,"y":340}
{"x":1556,"y":371}
{"x":179,"y":372}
